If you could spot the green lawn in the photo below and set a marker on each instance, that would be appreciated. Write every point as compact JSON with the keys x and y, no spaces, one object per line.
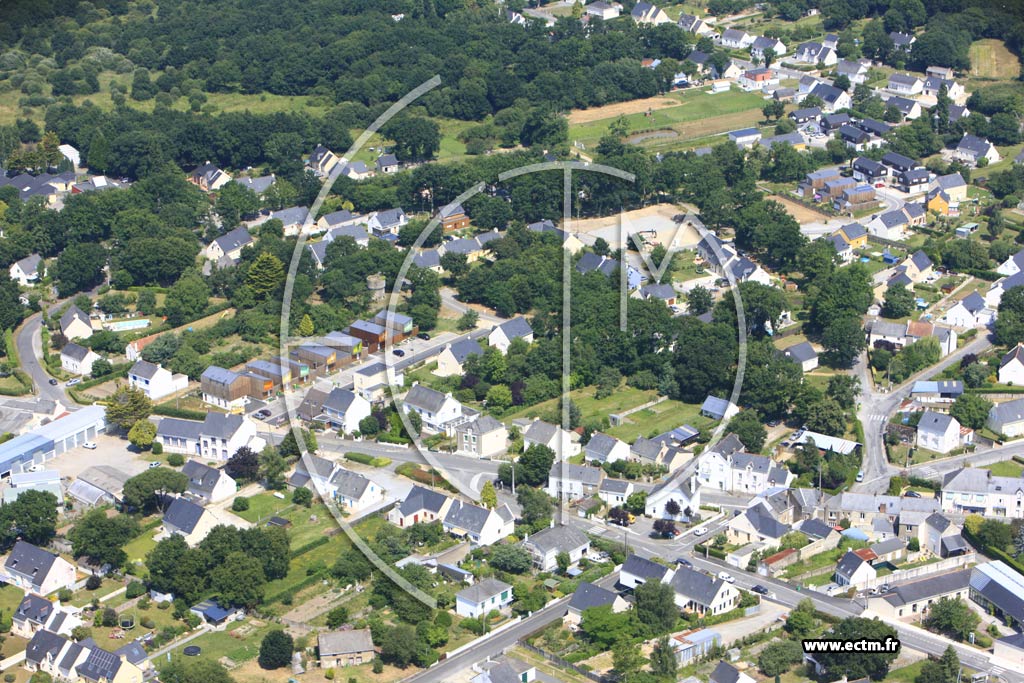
{"x":219,"y":644}
{"x":1007,"y":468}
{"x":264,"y":505}
{"x":694,"y":105}
{"x":655,"y":420}
{"x":139,"y":547}
{"x":906,"y":674}
{"x":10,"y":598}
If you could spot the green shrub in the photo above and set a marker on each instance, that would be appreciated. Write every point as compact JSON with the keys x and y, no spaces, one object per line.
{"x":93,"y":582}
{"x":175,"y":459}
{"x":240,"y":504}
{"x":147,"y":622}
{"x":135,"y":589}
{"x":158,"y":448}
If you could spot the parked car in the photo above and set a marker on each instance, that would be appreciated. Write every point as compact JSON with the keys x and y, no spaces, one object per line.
{"x":423,"y":335}
{"x":760,"y":590}
{"x":912,"y":494}
{"x":89,"y":445}
{"x":154,"y":465}
{"x":860,"y":476}
{"x":727,"y":577}
{"x":398,"y":352}
{"x":682,"y":561}
{"x":73,"y":382}
{"x":263,"y":413}
{"x":699,"y":531}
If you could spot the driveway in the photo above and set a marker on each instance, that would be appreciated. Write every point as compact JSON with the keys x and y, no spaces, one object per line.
{"x":29,"y":343}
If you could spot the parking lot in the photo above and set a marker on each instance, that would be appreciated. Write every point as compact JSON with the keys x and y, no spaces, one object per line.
{"x":110,"y":450}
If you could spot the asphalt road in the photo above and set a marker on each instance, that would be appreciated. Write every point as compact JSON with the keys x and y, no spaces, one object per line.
{"x":876,"y":407}
{"x":28,"y":341}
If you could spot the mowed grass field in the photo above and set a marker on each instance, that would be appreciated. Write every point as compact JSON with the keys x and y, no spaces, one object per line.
{"x":990,"y":58}
{"x":698,"y":114}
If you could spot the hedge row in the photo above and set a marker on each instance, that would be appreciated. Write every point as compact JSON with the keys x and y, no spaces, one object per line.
{"x":183,"y":413}
{"x":713,"y":552}
{"x":281,"y":595}
{"x":303,"y":549}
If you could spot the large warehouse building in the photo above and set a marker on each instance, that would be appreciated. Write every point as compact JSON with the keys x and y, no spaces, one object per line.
{"x":51,"y":439}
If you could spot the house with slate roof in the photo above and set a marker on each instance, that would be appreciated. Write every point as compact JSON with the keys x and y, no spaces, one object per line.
{"x":637,"y":570}
{"x":208,"y":484}
{"x":437,"y":410}
{"x":217,"y":437}
{"x":193,"y":522}
{"x":971,"y":149}
{"x":155,"y":381}
{"x":703,"y":594}
{"x":481,"y":526}
{"x":345,"y":648}
{"x":554,"y":437}
{"x":938,"y":432}
{"x":229,"y":245}
{"x":587,"y":596}
{"x":614,"y":492}
{"x":421,"y":505}
{"x":343,"y":409}
{"x":803,"y":354}
{"x":999,"y":590}
{"x":695,"y":25}
{"x":483,"y":437}
{"x":352,"y":491}
{"x":1011,"y":367}
{"x":77,"y":359}
{"x":815,"y":53}
{"x":972,"y":490}
{"x":502,"y":336}
{"x":36,"y":570}
{"x":740,"y":472}
{"x":756,"y":524}
{"x":450,"y":361}
{"x":605,"y":449}
{"x":36,"y":613}
{"x":27,"y":271}
{"x":545,"y":546}
{"x":573,"y":481}
{"x":479,"y":599}
{"x":387,"y":163}
{"x":914,"y":598}
{"x":834,"y":99}
{"x":258,"y":185}
{"x":939,"y":536}
{"x":322,"y":161}
{"x":75,"y":324}
{"x":853,"y":570}
{"x":727,"y":673}
{"x":1007,"y":418}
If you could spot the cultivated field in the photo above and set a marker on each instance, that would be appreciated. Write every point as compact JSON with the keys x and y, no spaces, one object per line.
{"x":612,"y":111}
{"x":991,"y":59}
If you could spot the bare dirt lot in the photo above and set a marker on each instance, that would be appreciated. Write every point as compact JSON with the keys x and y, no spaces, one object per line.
{"x":801,"y":213}
{"x":620,"y":108}
{"x":655,"y":219}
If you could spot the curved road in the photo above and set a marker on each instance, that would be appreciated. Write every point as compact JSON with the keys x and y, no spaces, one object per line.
{"x":29,"y":343}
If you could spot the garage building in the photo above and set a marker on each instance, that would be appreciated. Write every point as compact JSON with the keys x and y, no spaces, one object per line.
{"x":52,"y":439}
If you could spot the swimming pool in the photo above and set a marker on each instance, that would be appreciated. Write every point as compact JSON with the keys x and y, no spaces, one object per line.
{"x":126,"y":325}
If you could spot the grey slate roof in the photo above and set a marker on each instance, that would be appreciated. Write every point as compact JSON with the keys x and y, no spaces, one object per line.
{"x":942,"y":584}
{"x":183,"y":515}
{"x":30,"y":264}
{"x":610,"y":485}
{"x":764,"y":523}
{"x":345,"y":642}
{"x":516,"y":327}
{"x":99,"y":665}
{"x":258,"y":185}
{"x":465,"y":348}
{"x":934,"y":423}
{"x":800,"y":352}
{"x":133,"y":652}
{"x":75,"y":351}
{"x":588,"y":595}
{"x":221,"y":425}
{"x":588,"y":476}
{"x":339,"y":400}
{"x":849,"y":563}
{"x":236,"y":239}
{"x":420,"y":498}
{"x":34,"y":608}
{"x":180,"y":429}
{"x":951,"y":181}
{"x":974,"y":144}
{"x":601,"y":444}
{"x":483,"y":590}
{"x":426,"y":398}
{"x":644,"y":568}
{"x":558,"y":538}
{"x":291,"y":215}
{"x":73,"y":312}
{"x":1010,"y":411}
{"x":696,"y":585}
{"x":725,"y":673}
{"x":350,"y":484}
{"x":44,"y":644}
{"x":485,"y":424}
{"x":144,"y":369}
{"x":815,"y":528}
{"x":30,"y":561}
{"x":202,"y":478}
{"x":467,"y":516}
{"x":889,"y":545}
